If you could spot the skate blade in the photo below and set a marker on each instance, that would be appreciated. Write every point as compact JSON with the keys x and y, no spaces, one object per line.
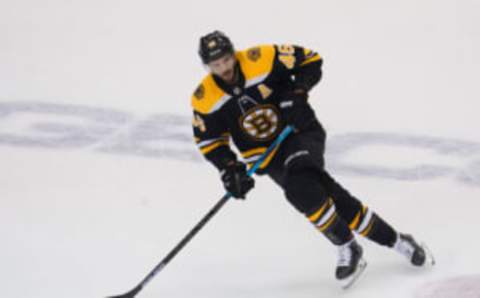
{"x":430,"y":259}
{"x":349,"y":281}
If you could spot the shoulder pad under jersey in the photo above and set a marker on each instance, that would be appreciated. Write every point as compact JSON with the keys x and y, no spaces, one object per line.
{"x":208,"y":97}
{"x":256,"y":63}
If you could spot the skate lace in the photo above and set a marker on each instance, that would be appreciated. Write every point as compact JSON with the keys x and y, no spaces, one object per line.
{"x":404,"y":247}
{"x":344,"y":256}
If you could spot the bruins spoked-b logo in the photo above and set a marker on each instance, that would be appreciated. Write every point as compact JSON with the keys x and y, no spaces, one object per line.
{"x":254,"y":54}
{"x":261,"y":122}
{"x":199,"y":92}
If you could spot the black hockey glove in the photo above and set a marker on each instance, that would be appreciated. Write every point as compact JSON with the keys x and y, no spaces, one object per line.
{"x":296,"y":111}
{"x":236,"y":181}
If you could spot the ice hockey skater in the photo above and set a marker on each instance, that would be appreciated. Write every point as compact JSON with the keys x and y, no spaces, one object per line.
{"x":247,"y":98}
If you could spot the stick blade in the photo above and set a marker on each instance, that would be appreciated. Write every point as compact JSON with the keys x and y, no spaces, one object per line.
{"x":130,"y":294}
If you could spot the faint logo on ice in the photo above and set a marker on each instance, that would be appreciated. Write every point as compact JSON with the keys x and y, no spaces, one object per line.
{"x":43,"y":125}
{"x":464,"y":287}
{"x":384,"y":155}
{"x":405,"y":157}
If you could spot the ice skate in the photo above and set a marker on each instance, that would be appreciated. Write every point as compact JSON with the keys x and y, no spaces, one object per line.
{"x":418,"y":254}
{"x":350,"y":263}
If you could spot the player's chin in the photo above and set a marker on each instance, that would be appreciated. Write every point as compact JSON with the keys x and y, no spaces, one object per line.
{"x":227,"y":76}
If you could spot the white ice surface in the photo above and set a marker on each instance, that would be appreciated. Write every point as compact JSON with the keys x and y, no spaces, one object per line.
{"x":80,"y":223}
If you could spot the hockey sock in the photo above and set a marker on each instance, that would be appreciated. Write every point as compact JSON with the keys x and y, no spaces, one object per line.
{"x":368,"y":224}
{"x":327,"y":221}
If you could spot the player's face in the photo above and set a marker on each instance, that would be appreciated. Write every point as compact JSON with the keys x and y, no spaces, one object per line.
{"x":224,"y":67}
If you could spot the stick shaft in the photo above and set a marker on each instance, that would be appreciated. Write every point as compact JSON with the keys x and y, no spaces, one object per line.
{"x":160,"y":266}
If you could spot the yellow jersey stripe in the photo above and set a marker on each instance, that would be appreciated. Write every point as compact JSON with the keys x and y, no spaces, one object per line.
{"x":205,"y":143}
{"x":368,"y":229}
{"x":314,"y":217}
{"x":252,"y":152}
{"x":354,"y":224}
{"x":328,"y":223}
{"x":269,"y":158}
{"x":213,"y":146}
{"x":311,"y":59}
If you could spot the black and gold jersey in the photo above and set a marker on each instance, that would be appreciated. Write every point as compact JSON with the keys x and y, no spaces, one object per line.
{"x":248,"y":112}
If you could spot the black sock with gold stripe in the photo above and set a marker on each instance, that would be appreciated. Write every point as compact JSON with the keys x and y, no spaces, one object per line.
{"x":368,"y":224}
{"x":327,"y":221}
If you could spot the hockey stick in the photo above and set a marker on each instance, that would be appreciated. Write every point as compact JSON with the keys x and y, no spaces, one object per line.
{"x":283,"y":135}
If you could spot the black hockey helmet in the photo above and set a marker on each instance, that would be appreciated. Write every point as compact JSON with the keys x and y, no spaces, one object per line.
{"x":214,"y":45}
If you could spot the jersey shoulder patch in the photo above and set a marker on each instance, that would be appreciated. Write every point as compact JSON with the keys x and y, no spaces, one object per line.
{"x":257,"y":61}
{"x":207,"y":96}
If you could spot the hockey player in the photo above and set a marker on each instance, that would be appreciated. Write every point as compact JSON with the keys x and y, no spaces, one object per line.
{"x":249,"y":97}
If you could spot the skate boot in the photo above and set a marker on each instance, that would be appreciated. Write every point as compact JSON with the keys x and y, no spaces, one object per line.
{"x":417,"y":254}
{"x":350,"y":264}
